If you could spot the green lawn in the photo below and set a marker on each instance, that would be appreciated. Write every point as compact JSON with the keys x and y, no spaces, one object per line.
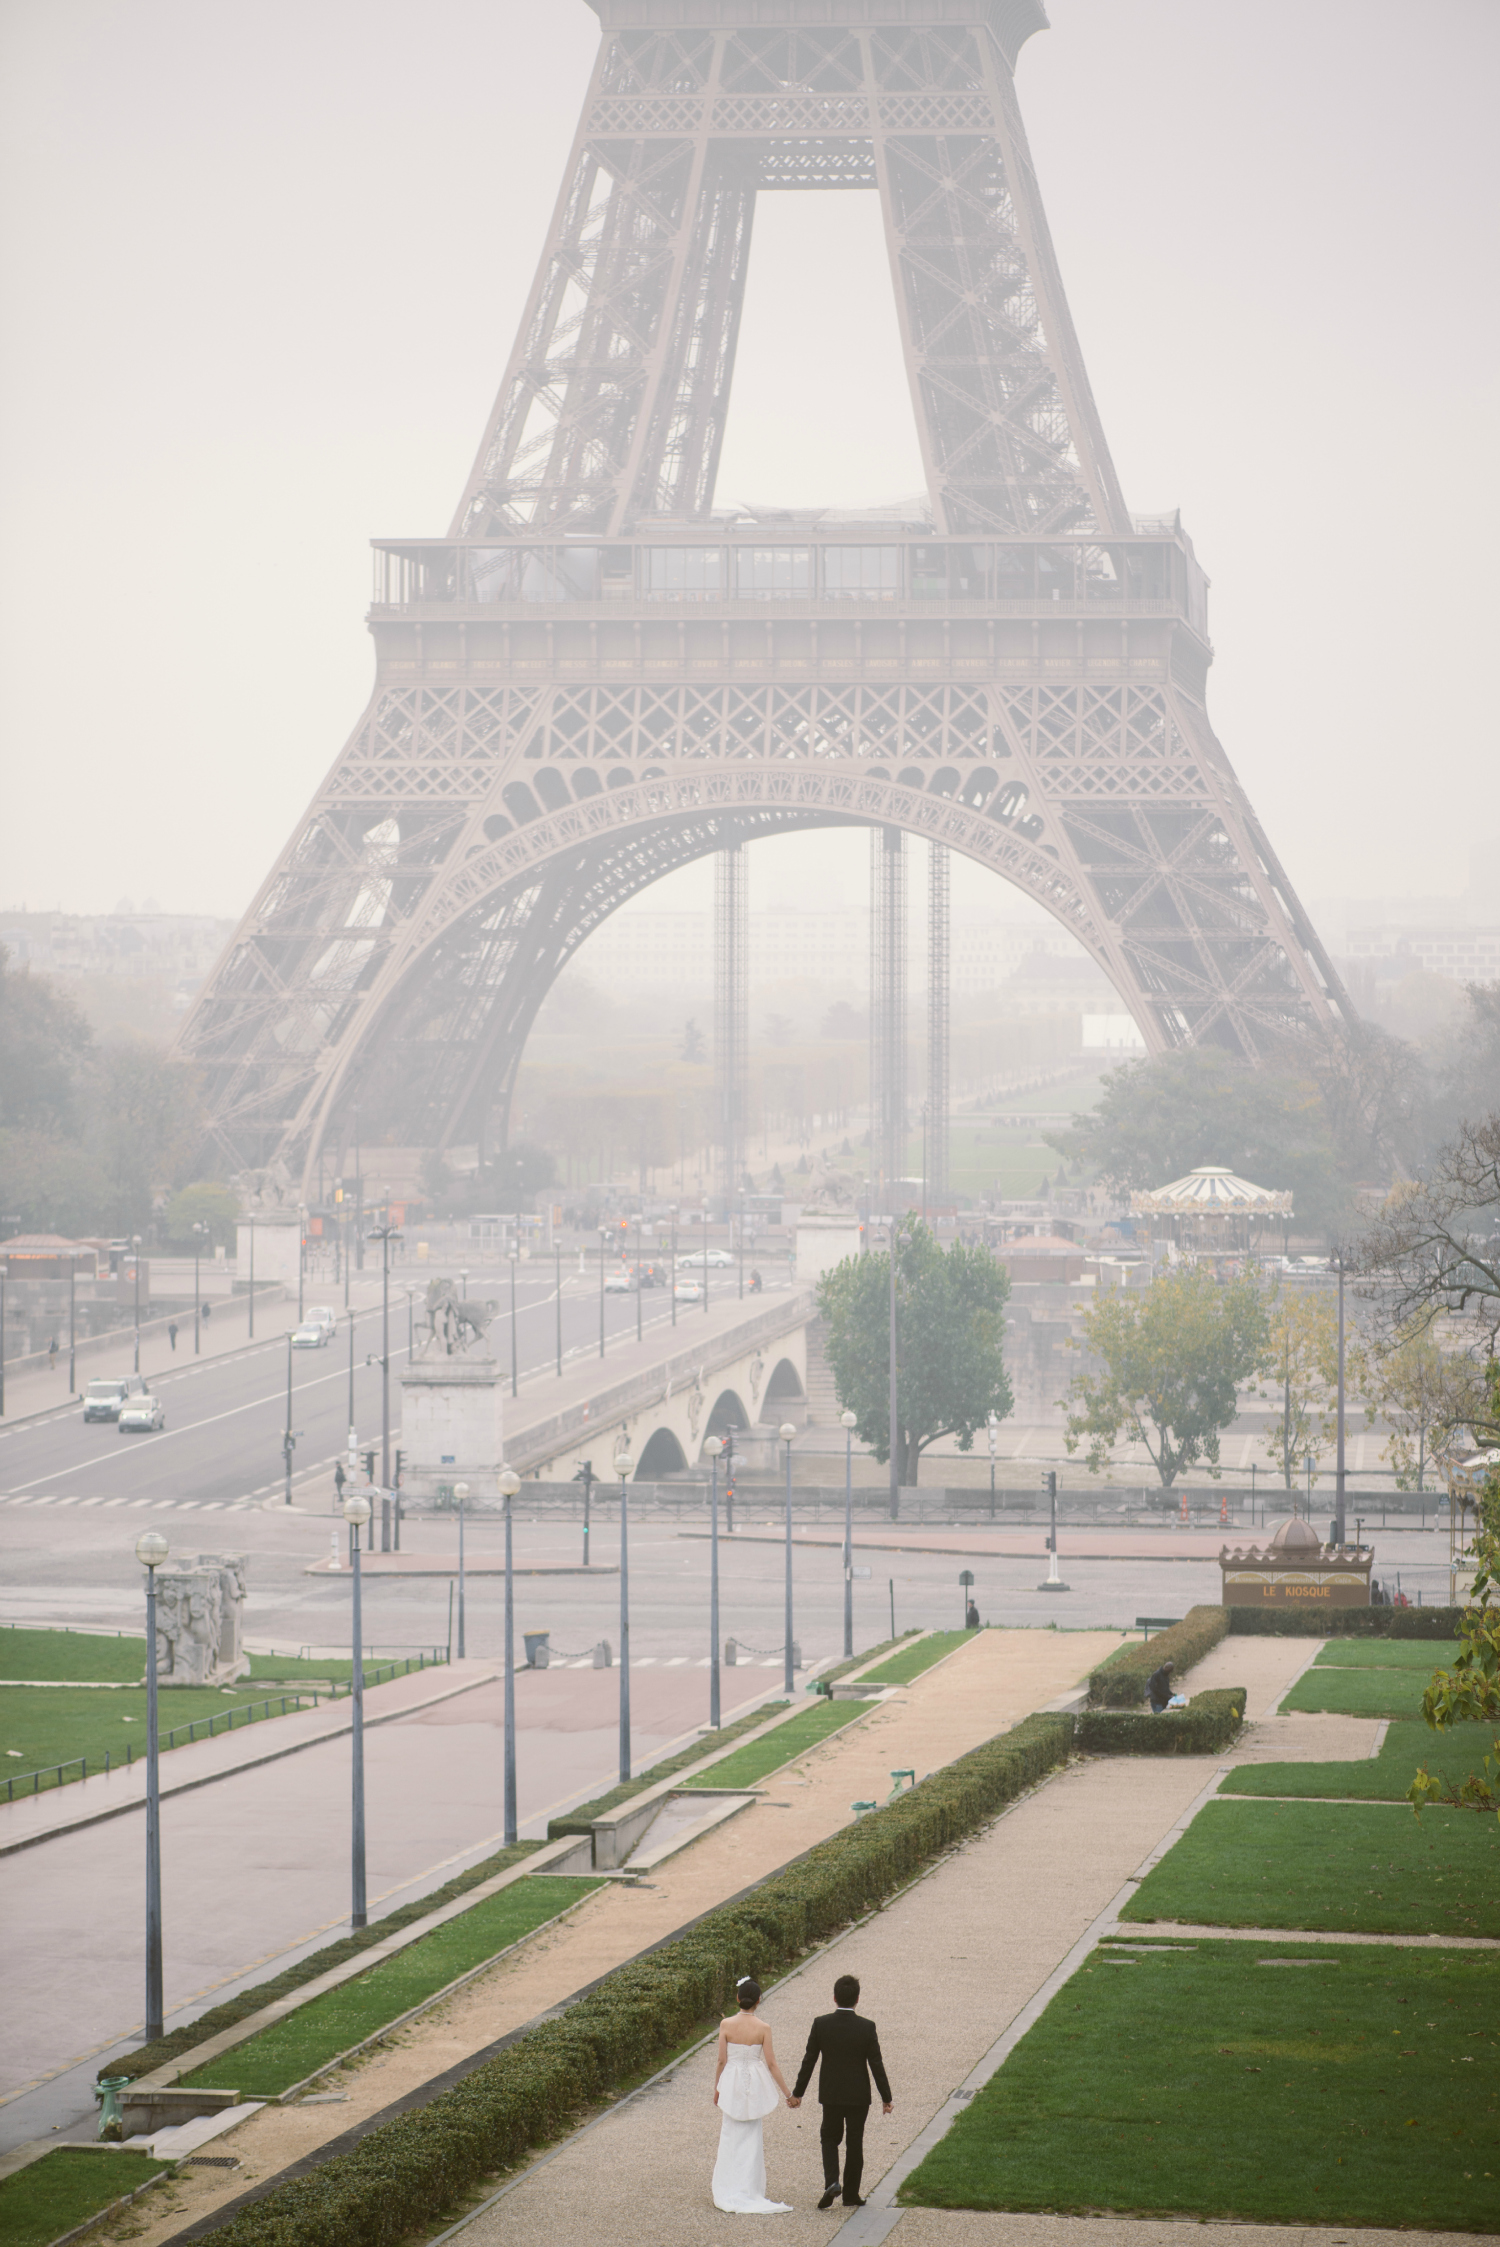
{"x":1367,"y":1868}
{"x":902,"y":1668}
{"x":72,"y":1654}
{"x":1424,"y":1654}
{"x":291,"y":2049}
{"x":1363,"y":1692}
{"x":581,"y":1819}
{"x":1360,"y":2089}
{"x":1385,"y":1777}
{"x":67,"y":2186}
{"x":47,"y":1725}
{"x":747,"y":1765}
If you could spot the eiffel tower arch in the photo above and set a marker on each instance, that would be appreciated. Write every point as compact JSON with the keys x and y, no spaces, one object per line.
{"x":593,"y":678}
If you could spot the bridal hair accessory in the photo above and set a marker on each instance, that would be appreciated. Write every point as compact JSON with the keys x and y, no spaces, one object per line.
{"x":742,"y":1980}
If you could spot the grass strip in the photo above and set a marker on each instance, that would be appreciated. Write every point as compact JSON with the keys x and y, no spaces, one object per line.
{"x":291,"y":2049}
{"x":1362,"y":2089}
{"x":398,"y":2177}
{"x":902,"y":1668}
{"x":1362,"y":1692}
{"x":84,"y":1655}
{"x":581,"y":1820}
{"x":51,"y":2197}
{"x":48,"y":1725}
{"x":1424,"y":1655}
{"x":1449,"y":1756}
{"x":148,"y":2057}
{"x":1358,"y":1867}
{"x":783,"y":1746}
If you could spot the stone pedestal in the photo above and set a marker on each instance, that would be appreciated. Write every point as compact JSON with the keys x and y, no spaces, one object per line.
{"x":277,"y":1243}
{"x":452,"y":1428}
{"x":824,"y":1238}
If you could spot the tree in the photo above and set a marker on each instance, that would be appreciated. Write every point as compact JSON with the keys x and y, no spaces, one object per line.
{"x":45,"y":1047}
{"x":51,"y":1185}
{"x":1425,"y":1395}
{"x":1435,"y":1246}
{"x":1171,"y":1359}
{"x":145,"y":1128}
{"x":1468,"y":1691}
{"x":1157,"y":1120}
{"x":207,"y":1203}
{"x":950,"y":1335}
{"x":1302,"y":1368}
{"x":845,"y":1021}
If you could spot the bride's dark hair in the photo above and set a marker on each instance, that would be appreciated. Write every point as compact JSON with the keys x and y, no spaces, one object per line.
{"x":748,"y":1993}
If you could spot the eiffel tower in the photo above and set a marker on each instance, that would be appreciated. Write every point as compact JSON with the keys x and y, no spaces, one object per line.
{"x":594,"y":678}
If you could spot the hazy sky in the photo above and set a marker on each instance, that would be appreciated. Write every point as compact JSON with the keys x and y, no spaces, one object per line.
{"x":261,"y":271}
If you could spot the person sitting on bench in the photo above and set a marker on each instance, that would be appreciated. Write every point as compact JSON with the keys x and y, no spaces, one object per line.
{"x":1159,"y":1687}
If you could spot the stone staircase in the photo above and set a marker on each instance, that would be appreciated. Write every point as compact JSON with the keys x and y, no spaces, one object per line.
{"x":822,"y":1397}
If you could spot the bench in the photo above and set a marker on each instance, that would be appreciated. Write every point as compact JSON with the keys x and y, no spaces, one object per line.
{"x":1146,"y":1624}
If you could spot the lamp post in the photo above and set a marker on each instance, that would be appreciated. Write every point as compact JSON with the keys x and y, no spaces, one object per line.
{"x":73,"y":1325}
{"x":713,"y":1447}
{"x":288,"y":1439}
{"x":557,"y":1299}
{"x":705,"y":1260}
{"x":991,"y":1429}
{"x":674,"y":1263}
{"x":639,"y":1285}
{"x":1339,"y":1522}
{"x":385,"y":1234}
{"x":199,"y":1229}
{"x":135,"y":1265}
{"x":603,"y":1236}
{"x":513,"y":1259}
{"x":357,"y":1513}
{"x":411,"y":1324}
{"x":742,"y":1246}
{"x":250,"y":1293}
{"x":301,"y":1262}
{"x":623,"y":1466}
{"x":350,"y":1316}
{"x":895,"y":1424}
{"x":787,"y":1432}
{"x":510,"y":1483}
{"x":151,"y":1551}
{"x":359,"y":1199}
{"x":849,"y":1421}
{"x":460,"y":1493}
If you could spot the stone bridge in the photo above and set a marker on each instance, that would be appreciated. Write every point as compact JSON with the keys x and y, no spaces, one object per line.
{"x":749,"y":1374}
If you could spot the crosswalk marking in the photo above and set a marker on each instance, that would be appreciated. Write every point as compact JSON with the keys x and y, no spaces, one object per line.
{"x":676,"y":1661}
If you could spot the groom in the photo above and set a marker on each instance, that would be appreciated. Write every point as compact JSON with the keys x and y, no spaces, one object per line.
{"x":850,"y":2051}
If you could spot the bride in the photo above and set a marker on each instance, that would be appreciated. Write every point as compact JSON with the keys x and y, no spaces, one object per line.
{"x":746,"y":2082}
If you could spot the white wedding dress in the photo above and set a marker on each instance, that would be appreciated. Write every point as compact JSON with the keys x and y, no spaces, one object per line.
{"x":746,"y":2096}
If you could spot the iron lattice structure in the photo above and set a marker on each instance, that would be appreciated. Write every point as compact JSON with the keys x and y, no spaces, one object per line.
{"x":593,"y":678}
{"x":936,"y":1167}
{"x":889,"y":1113}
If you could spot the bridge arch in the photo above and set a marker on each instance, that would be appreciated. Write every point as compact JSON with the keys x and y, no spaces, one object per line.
{"x":661,"y":1454}
{"x":784,"y":1387}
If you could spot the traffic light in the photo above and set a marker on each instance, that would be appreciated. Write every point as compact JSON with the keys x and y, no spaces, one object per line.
{"x":369,"y":1459}
{"x":400,"y":1463}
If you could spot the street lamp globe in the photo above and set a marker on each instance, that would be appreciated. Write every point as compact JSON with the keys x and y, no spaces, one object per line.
{"x":510,"y":1483}
{"x":624,"y":1463}
{"x":460,"y":1491}
{"x":356,"y":1509}
{"x":786,"y":1431}
{"x":151,"y":1548}
{"x":714,"y":1446}
{"x":849,"y":1420}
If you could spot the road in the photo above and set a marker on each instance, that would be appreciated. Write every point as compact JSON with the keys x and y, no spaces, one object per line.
{"x":222,"y":1445}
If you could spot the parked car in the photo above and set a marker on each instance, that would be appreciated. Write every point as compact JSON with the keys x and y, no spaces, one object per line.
{"x":717,"y":1260}
{"x":689,"y":1291}
{"x":102,"y":1399}
{"x":140,"y":1415}
{"x":313,"y":1336}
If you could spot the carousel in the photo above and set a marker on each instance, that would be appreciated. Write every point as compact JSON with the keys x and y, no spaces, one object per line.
{"x":1213,"y":1212}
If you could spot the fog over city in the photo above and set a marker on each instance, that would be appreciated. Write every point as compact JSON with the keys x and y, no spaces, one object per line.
{"x":262,"y":274}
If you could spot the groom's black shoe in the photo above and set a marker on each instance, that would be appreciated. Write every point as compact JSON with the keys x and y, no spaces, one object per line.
{"x":830,"y":2196}
{"x":854,"y":2204}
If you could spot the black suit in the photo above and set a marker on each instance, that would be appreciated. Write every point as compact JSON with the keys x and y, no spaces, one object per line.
{"x":849,"y":2048}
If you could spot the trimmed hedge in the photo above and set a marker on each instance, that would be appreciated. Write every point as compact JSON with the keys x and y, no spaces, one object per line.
{"x":1346,"y":1622}
{"x":148,"y":2057}
{"x":1208,"y":1724}
{"x":581,"y":1820}
{"x":401,"y":2175}
{"x":1120,"y":1681}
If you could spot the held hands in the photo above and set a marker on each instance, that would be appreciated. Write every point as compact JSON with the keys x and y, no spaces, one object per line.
{"x":791,"y":2102}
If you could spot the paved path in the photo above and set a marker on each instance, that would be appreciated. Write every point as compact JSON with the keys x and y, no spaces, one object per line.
{"x":991,"y":1681}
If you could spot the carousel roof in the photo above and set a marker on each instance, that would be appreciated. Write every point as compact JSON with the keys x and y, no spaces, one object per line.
{"x":1211,"y":1191}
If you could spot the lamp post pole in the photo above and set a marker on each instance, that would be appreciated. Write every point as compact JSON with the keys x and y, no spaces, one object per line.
{"x":135,"y":1260}
{"x":301,"y":1263}
{"x":388,"y":1233}
{"x":895,"y":1425}
{"x":357,"y":1513}
{"x":460,"y":1493}
{"x":1339,"y":1522}
{"x":850,"y":1421}
{"x":705,"y":1260}
{"x":288,"y":1440}
{"x":73,"y":1324}
{"x":991,"y":1428}
{"x":639,"y":1282}
{"x":515,"y":1390}
{"x":151,"y":1551}
{"x":251,"y":1291}
{"x":673,"y":1282}
{"x":510,"y":1483}
{"x":713,"y":1447}
{"x":787,"y":1433}
{"x":623,"y":1466}
{"x":197,"y":1292}
{"x":557,"y":1258}
{"x":602,"y":1238}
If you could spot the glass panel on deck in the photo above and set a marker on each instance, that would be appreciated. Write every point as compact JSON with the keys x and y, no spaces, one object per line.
{"x":769,"y":573}
{"x":684,"y":573}
{"x":862,"y":573}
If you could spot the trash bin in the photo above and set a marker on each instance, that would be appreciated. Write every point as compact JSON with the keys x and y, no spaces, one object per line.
{"x":538,"y":1655}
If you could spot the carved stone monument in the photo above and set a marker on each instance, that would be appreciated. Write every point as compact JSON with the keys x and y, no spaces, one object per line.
{"x":452,"y":1410}
{"x":198,"y":1604}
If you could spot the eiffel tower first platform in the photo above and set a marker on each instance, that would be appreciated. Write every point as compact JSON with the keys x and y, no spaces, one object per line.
{"x":594,"y":678}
